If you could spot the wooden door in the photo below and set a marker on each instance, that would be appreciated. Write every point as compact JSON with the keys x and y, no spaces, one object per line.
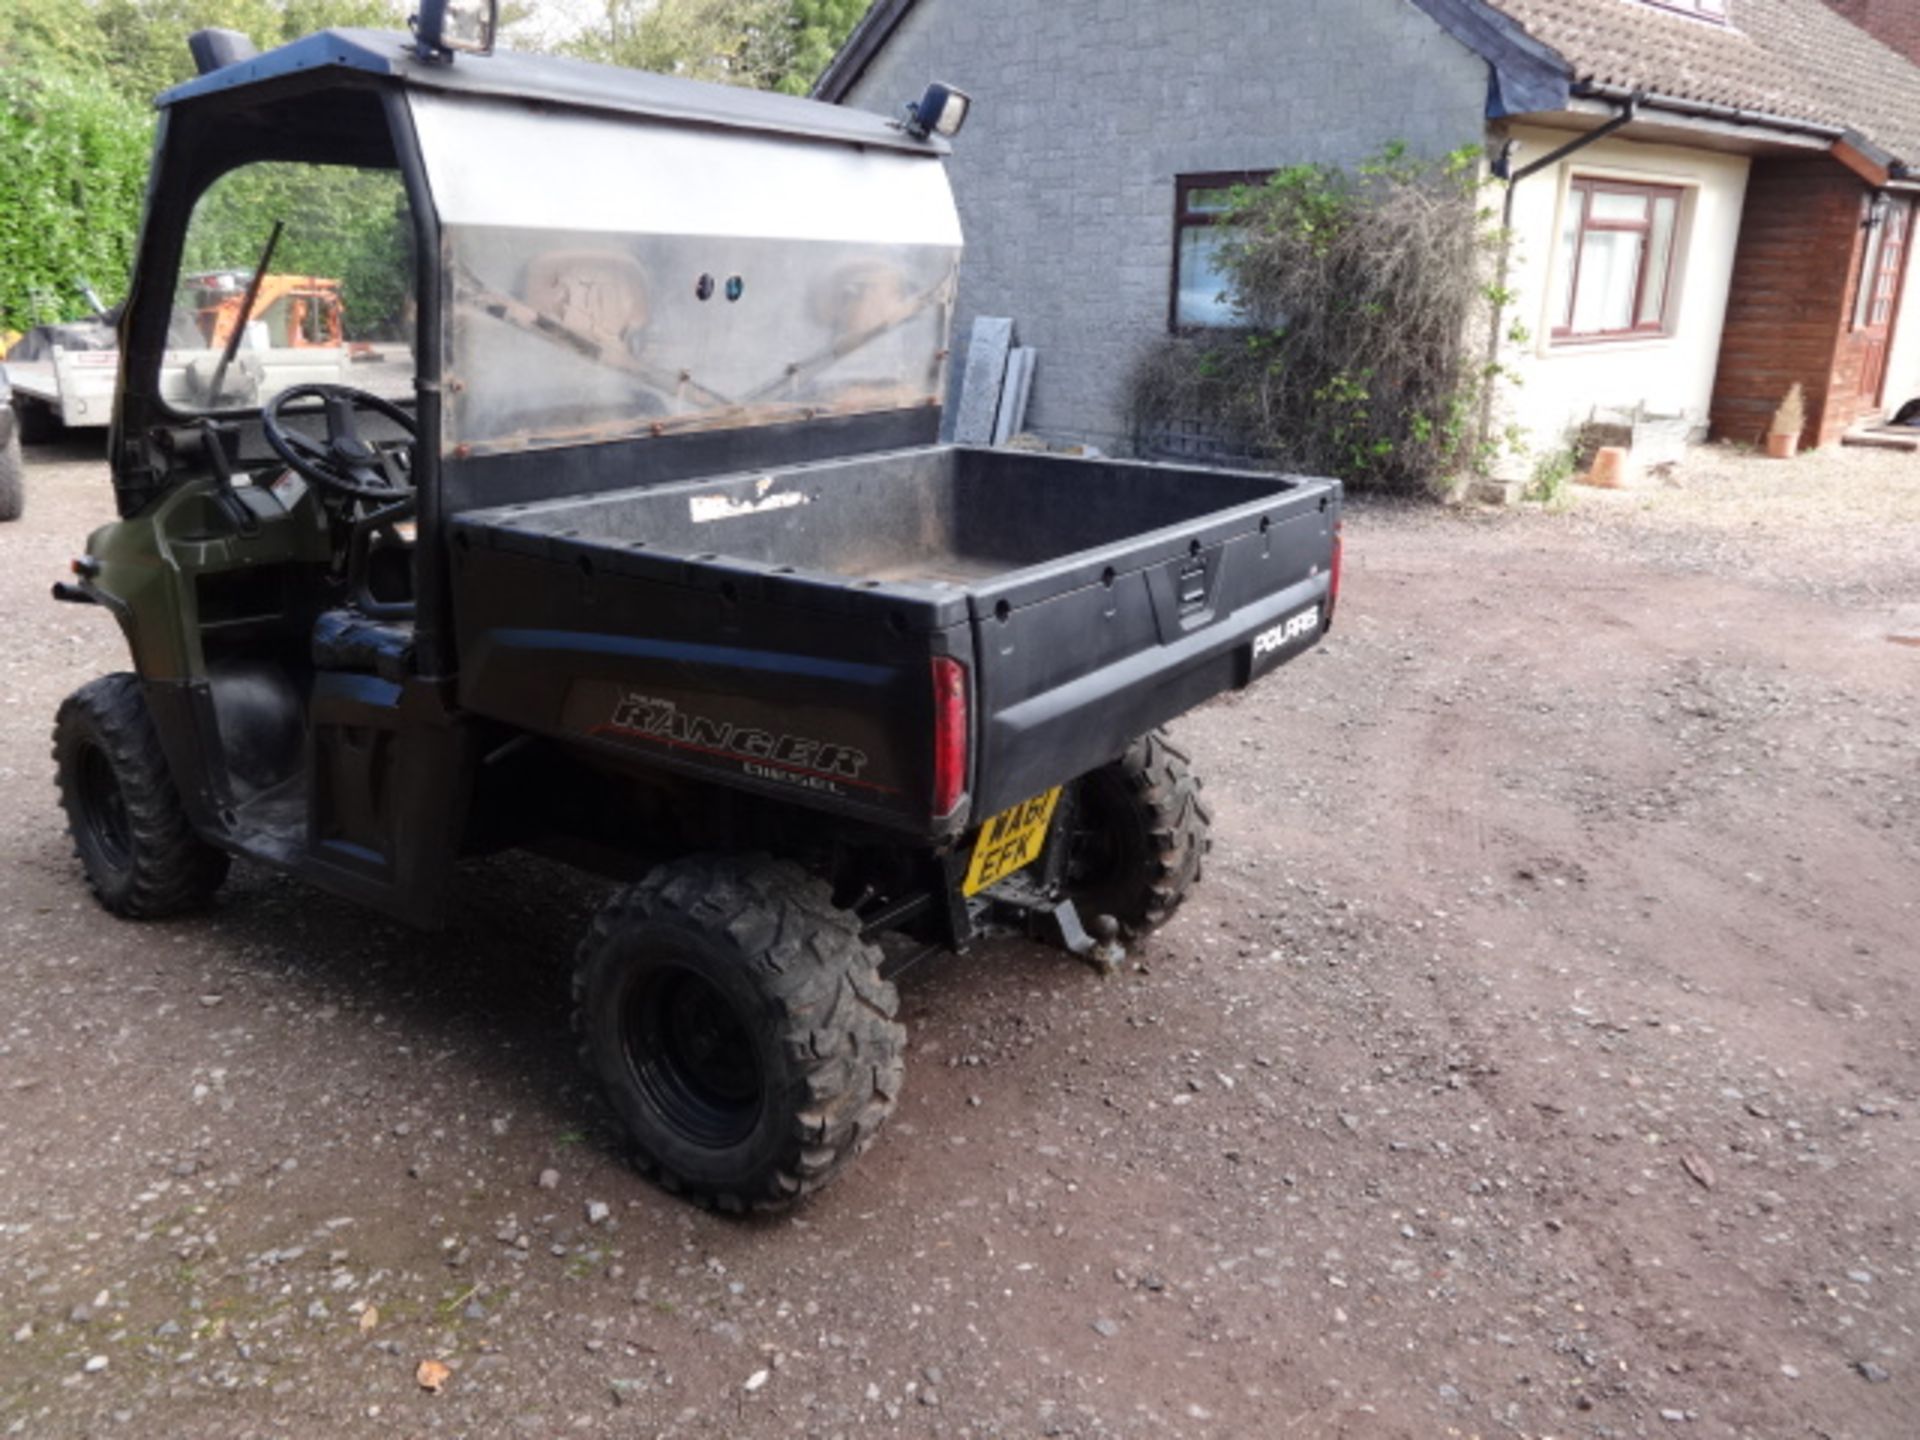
{"x":1880,"y":278}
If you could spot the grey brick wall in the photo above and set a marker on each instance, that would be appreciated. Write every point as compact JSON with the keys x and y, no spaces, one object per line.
{"x":1086,"y":110}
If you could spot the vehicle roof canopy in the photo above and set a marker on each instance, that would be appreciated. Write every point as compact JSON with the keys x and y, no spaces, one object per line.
{"x":622,"y":259}
{"x":554,"y":80}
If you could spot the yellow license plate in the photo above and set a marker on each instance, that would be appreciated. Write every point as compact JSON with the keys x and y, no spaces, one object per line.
{"x":1010,"y":841}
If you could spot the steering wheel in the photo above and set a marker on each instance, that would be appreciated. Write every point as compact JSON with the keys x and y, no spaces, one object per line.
{"x":344,"y":463}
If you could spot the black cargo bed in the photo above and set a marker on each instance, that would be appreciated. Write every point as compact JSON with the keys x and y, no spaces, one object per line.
{"x":1091,"y":599}
{"x":953,"y":518}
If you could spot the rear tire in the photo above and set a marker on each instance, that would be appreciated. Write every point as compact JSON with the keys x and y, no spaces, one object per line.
{"x":1140,"y":837}
{"x":140,"y":853}
{"x":740,"y":1028}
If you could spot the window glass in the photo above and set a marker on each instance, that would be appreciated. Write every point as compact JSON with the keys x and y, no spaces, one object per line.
{"x":1715,"y":10}
{"x":333,"y":303}
{"x":1204,"y":278}
{"x":1203,"y":245}
{"x":1893,"y":253}
{"x":1210,"y":202}
{"x":1609,"y":270}
{"x":1569,"y":259}
{"x":1618,"y":205}
{"x":1614,"y":268}
{"x":1653,"y":296}
{"x":1869,"y":268}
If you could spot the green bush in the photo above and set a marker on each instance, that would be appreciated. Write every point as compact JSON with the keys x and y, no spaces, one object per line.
{"x":819,"y":28}
{"x":73,"y":171}
{"x":77,"y":82}
{"x":77,"y":78}
{"x":1553,"y":471}
{"x":1356,"y":293}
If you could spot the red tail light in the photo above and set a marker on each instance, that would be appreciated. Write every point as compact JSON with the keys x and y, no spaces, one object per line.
{"x":1333,"y":575}
{"x":949,"y":735}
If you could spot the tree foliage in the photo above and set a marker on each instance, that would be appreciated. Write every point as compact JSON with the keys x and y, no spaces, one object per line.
{"x":346,"y":225}
{"x":70,"y":191}
{"x":818,"y":29}
{"x":766,"y":44}
{"x":146,"y":40}
{"x":77,"y":81}
{"x":78,"y":77}
{"x":1355,"y":293}
{"x":734,"y":42}
{"x":38,"y":35}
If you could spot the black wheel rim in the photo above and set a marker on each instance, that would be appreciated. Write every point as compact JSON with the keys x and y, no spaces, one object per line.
{"x":1109,"y":843}
{"x":103,"y":809}
{"x":692,"y":1057}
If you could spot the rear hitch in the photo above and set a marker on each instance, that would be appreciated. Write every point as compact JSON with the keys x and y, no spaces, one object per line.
{"x":1057,"y":923}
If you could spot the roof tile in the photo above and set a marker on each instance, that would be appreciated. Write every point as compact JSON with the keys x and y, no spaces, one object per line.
{"x":1791,"y":58}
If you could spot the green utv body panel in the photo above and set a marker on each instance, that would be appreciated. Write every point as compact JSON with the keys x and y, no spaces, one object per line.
{"x":153,"y":563}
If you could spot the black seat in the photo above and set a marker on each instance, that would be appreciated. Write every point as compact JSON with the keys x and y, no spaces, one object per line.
{"x":348,"y":640}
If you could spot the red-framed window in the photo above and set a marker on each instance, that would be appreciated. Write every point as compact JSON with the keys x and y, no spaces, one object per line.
{"x":1882,"y":264}
{"x":1617,"y":260}
{"x":1201,"y":237}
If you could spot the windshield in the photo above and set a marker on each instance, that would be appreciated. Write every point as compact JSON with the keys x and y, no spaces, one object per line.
{"x":614,"y":278}
{"x":333,"y":303}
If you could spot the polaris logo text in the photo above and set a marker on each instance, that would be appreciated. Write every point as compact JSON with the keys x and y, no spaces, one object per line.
{"x":1286,"y":632}
{"x":795,"y":758}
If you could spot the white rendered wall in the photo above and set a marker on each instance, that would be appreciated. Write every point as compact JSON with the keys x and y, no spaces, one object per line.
{"x":1563,"y":384}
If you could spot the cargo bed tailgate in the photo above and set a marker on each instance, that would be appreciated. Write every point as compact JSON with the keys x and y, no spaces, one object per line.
{"x":1075,"y":660}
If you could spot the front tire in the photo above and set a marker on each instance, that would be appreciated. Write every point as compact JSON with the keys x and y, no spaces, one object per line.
{"x":39,"y":423}
{"x":13,"y":476}
{"x":140,"y":853}
{"x":740,"y":1028}
{"x":1140,"y":837}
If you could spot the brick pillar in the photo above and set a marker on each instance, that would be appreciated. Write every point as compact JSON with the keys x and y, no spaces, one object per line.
{"x":1790,"y":309}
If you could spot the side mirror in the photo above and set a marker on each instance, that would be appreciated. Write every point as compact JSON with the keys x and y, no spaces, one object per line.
{"x":444,"y":26}
{"x":941,"y":111}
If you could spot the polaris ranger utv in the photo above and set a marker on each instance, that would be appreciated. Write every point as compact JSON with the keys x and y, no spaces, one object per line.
{"x":639,"y":548}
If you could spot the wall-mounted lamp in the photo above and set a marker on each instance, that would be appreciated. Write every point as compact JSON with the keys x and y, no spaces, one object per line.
{"x":1877,"y":209}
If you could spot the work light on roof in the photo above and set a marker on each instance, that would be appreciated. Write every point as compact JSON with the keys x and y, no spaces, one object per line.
{"x":941,"y":111}
{"x":445,"y":26}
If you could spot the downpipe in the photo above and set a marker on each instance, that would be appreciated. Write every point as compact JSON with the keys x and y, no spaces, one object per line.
{"x":1503,"y":170}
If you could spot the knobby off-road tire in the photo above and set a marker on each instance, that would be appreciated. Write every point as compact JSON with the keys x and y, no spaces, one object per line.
{"x":37,"y":421}
{"x":13,"y":472}
{"x":1140,"y":837}
{"x":741,"y":1029}
{"x":141,"y":855}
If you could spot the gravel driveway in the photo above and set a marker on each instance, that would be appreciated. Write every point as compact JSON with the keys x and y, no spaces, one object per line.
{"x":1541,"y":1058}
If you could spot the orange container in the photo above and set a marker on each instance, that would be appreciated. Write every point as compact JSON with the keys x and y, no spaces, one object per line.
{"x":1612,"y":468}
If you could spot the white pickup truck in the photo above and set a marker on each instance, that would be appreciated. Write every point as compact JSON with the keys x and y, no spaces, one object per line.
{"x":67,"y":389}
{"x":73,"y":389}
